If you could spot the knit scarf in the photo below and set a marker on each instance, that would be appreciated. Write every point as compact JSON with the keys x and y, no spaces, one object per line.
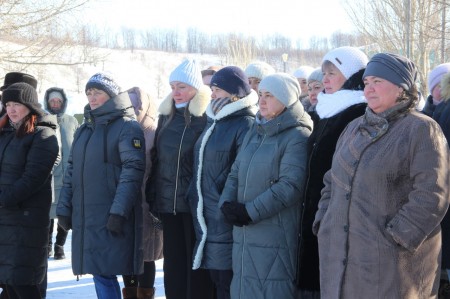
{"x":376,"y":125}
{"x":331,"y":104}
{"x":218,"y":104}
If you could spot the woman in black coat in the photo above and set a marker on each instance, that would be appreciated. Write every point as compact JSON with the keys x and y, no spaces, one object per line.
{"x":341,"y":102}
{"x":28,"y":151}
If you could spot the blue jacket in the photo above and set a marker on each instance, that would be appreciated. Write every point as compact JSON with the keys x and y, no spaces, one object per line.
{"x":104,"y":176}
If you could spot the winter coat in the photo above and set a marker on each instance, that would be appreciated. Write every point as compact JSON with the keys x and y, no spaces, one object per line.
{"x":215,"y":152}
{"x":67,"y":126}
{"x":146,"y":115}
{"x":104,"y":176}
{"x":429,"y":107}
{"x":378,"y":218}
{"x":321,"y":146}
{"x":268,"y":176}
{"x":173,"y":154}
{"x":25,"y":197}
{"x":442,"y":116}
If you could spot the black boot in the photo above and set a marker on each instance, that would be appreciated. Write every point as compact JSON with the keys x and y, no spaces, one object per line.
{"x":61,"y":237}
{"x":50,"y":236}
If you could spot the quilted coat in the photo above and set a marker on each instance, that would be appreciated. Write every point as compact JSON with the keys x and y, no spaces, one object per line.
{"x":268,"y":176}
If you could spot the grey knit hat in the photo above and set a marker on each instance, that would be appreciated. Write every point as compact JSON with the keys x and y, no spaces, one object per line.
{"x":259,"y":69}
{"x":24,"y":94}
{"x":349,"y":60}
{"x":105,"y":82}
{"x":316,"y":75}
{"x":283,"y":86}
{"x":395,"y":68}
{"x":187,"y":72}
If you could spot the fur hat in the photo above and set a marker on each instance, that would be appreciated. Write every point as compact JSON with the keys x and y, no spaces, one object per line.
{"x":397,"y":69}
{"x":259,"y":69}
{"x":233,"y":80}
{"x":283,"y":86}
{"x":16,"y":77}
{"x":316,"y":75}
{"x":187,"y":72}
{"x":349,"y":60}
{"x":435,"y":76}
{"x":105,"y":82}
{"x":303,"y":72}
{"x":22,"y":93}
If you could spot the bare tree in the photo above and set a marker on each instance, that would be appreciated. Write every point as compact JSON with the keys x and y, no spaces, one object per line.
{"x":409,"y":27}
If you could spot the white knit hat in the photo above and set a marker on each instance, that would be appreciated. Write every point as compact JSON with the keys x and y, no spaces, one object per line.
{"x":283,"y":86}
{"x":435,"y":76}
{"x":187,"y":72}
{"x":303,"y":72}
{"x":349,"y":60}
{"x":259,"y":69}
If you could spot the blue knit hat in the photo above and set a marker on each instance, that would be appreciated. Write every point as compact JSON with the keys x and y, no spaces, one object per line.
{"x":316,"y":75}
{"x":105,"y":82}
{"x":187,"y":72}
{"x":283,"y":86}
{"x":233,"y":80}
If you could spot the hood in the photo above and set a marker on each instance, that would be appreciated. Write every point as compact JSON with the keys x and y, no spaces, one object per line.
{"x":146,"y":112}
{"x":116,"y":107}
{"x":65,"y":101}
{"x":293,"y":116}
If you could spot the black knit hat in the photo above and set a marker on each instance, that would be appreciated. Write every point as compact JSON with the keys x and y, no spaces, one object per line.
{"x":105,"y":82}
{"x":233,"y":80}
{"x":16,"y":77}
{"x":22,"y":93}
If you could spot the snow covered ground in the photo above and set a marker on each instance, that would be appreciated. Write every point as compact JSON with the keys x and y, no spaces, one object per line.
{"x":62,"y":284}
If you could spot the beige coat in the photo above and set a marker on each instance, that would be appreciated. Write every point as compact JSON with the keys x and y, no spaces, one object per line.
{"x":379,"y":217}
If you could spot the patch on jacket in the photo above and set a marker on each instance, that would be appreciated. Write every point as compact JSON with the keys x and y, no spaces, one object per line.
{"x":137,"y":143}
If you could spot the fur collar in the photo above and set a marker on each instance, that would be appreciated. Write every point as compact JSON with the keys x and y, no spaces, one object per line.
{"x":197,"y":105}
{"x":248,"y":101}
{"x":445,"y":87}
{"x":331,"y":104}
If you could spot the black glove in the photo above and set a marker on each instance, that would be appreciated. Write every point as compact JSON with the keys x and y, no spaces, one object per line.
{"x":235,"y":213}
{"x":65,"y":222}
{"x":115,"y":223}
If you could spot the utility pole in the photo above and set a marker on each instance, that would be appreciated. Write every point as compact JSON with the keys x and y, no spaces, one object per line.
{"x":408,"y":28}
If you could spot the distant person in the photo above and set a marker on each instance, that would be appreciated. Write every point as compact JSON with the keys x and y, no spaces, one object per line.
{"x":142,"y":285}
{"x":302,"y":75}
{"x":208,"y":73}
{"x":231,"y":113}
{"x":341,"y":101}
{"x":55,"y":102}
{"x":181,"y":121}
{"x":100,"y":197}
{"x":434,"y":88}
{"x":256,"y":71}
{"x":261,"y":197}
{"x":378,"y":220}
{"x":315,"y":86}
{"x":29,"y":149}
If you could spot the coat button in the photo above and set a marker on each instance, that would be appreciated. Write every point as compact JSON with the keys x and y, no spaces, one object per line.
{"x":347,"y":196}
{"x":346,"y":228}
{"x":344,"y":262}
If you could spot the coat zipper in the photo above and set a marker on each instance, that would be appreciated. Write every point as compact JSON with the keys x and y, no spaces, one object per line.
{"x":178,"y":171}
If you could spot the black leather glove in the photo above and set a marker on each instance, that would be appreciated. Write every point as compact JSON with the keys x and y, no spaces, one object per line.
{"x":235,"y":213}
{"x":115,"y":223}
{"x":65,"y":222}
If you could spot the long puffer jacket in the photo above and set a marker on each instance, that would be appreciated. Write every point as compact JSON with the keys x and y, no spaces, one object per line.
{"x":215,"y":152}
{"x":268,"y":176}
{"x":25,"y":197}
{"x":105,"y":175}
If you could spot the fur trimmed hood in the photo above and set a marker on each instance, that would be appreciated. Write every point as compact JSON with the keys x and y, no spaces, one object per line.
{"x":197,"y":105}
{"x":445,"y":87}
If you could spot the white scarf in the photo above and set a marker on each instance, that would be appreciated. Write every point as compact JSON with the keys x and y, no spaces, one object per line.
{"x":331,"y":104}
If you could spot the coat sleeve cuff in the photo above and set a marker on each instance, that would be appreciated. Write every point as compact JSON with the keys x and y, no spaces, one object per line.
{"x":405,"y":234}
